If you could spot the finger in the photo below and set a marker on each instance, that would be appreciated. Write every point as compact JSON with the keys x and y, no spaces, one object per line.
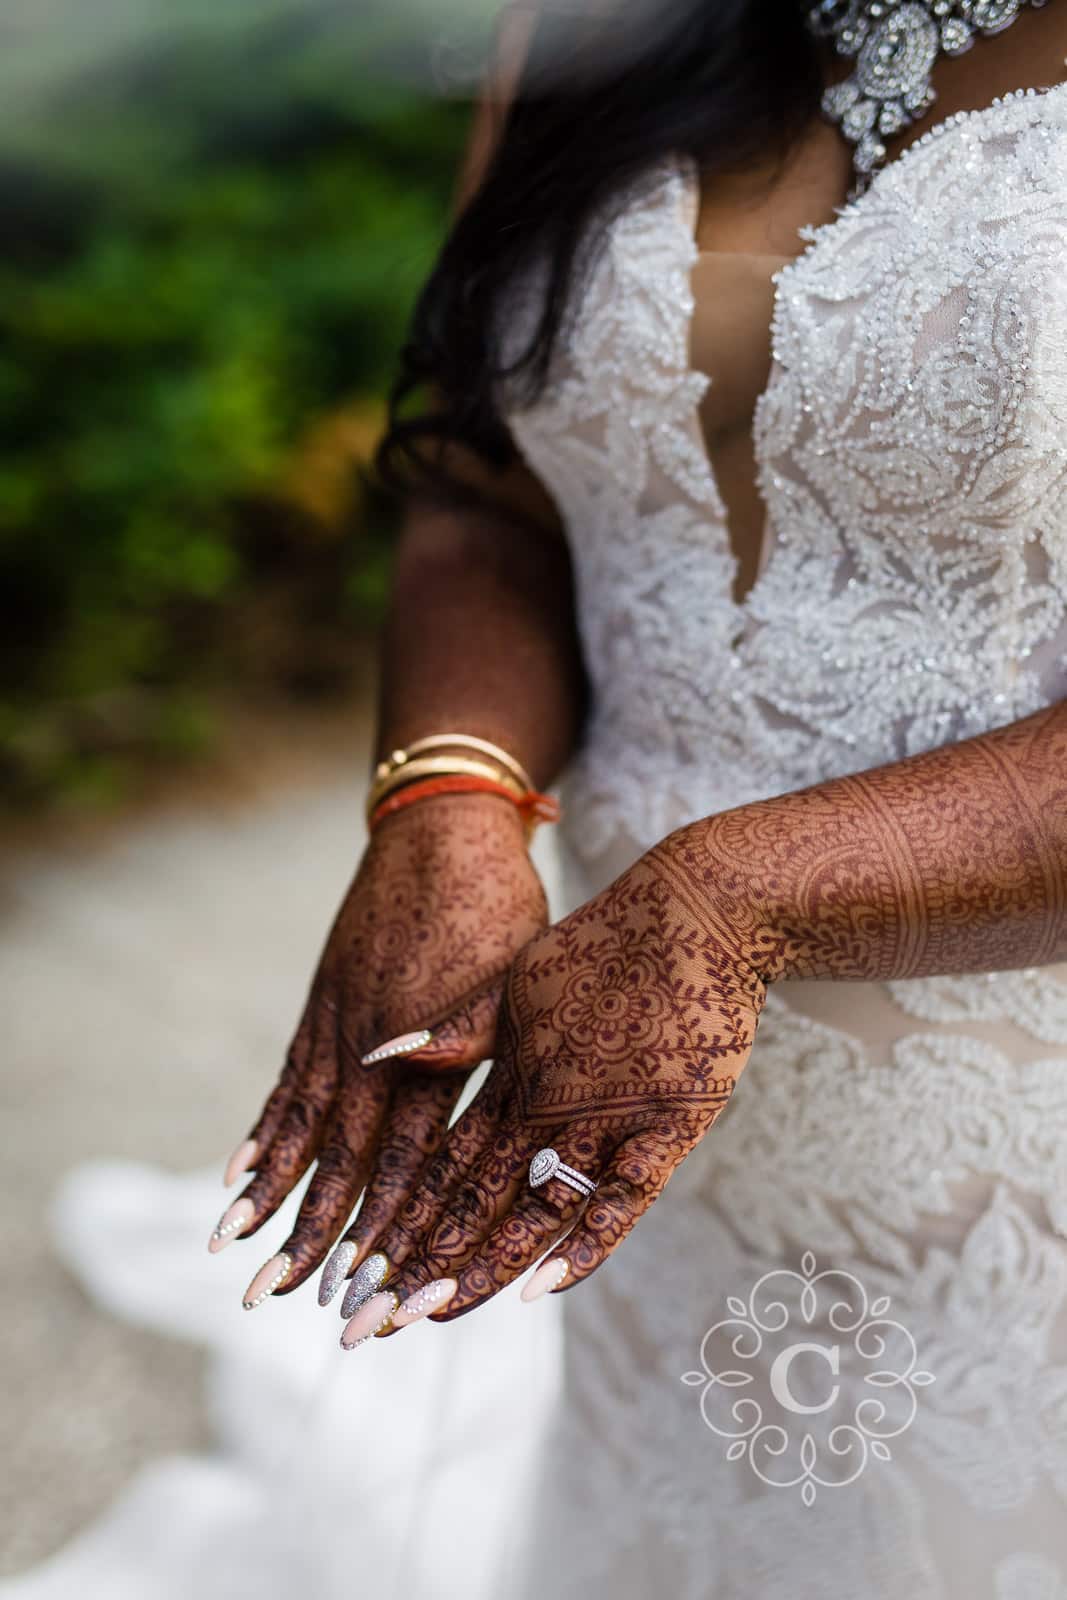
{"x":327,"y":1205}
{"x":300,"y":1132}
{"x":496,"y":1224}
{"x":461,"y":1038}
{"x":415,"y":1124}
{"x":270,"y":1118}
{"x":634,"y":1178}
{"x":460,"y":1149}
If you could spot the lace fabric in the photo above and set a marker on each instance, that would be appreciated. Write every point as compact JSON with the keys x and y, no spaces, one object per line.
{"x":911,"y":448}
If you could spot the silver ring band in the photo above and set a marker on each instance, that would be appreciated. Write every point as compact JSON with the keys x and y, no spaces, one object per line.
{"x":546,"y":1164}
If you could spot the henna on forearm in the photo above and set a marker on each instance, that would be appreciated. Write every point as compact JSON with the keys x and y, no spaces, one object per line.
{"x":951,"y":861}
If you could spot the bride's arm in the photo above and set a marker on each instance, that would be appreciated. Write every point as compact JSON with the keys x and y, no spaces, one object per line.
{"x":951,"y":861}
{"x":626,"y":1026}
{"x":481,"y":639}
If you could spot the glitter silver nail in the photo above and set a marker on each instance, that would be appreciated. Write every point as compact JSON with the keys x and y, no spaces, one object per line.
{"x":335,"y":1271}
{"x":366,"y":1280}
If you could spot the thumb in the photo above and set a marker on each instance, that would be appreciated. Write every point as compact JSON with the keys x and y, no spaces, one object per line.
{"x":463,"y":1036}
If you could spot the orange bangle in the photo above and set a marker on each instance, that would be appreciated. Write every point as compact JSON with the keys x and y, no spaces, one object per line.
{"x":534,"y":807}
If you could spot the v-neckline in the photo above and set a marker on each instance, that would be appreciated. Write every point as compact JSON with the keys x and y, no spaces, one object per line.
{"x":816,"y":237}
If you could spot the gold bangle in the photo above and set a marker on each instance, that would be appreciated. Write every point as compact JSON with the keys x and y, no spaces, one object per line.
{"x":433,"y":766}
{"x":440,"y":741}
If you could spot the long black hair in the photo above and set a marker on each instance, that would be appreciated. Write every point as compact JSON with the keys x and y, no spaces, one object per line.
{"x":606,"y":87}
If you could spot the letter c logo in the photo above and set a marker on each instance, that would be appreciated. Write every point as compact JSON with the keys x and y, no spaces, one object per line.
{"x":780,"y":1376}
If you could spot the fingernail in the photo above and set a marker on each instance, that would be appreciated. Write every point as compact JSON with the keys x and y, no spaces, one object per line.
{"x":267,"y":1279}
{"x":370,"y":1319}
{"x":549,"y":1275}
{"x":240,"y":1161}
{"x":335,"y":1271}
{"x":402,"y":1045}
{"x":429,"y":1298}
{"x":366,"y":1280}
{"x":230,"y":1224}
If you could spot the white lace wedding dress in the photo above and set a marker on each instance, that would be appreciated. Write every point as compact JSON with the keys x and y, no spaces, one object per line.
{"x":899,"y":1150}
{"x":832,"y":1361}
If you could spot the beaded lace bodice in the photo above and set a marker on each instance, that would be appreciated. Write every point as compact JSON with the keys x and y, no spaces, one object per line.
{"x":912,"y":455}
{"x":911,"y":451}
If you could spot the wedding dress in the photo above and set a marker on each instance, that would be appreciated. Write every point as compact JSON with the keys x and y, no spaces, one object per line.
{"x":887,"y":1192}
{"x":896,"y":1150}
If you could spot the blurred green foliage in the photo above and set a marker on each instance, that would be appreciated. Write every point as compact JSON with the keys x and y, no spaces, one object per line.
{"x":214,"y":220}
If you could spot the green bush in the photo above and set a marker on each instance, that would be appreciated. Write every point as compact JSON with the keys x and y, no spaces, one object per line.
{"x":213,"y":236}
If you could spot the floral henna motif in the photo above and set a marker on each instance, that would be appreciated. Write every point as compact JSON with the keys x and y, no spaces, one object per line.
{"x":443,"y":899}
{"x":623,"y":1033}
{"x":626,"y":1026}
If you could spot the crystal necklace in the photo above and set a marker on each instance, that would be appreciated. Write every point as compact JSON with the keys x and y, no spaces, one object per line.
{"x":895,"y":45}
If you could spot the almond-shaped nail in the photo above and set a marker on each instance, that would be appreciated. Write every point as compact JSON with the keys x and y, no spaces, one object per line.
{"x":402,"y":1045}
{"x":431,"y":1297}
{"x":366,"y":1280}
{"x":549,"y":1275}
{"x":230,"y":1225}
{"x":242,"y":1158}
{"x":335,"y":1271}
{"x":370,"y":1319}
{"x":270,"y":1276}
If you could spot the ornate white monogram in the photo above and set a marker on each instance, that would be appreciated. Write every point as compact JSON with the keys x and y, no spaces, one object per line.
{"x":868,"y":1397}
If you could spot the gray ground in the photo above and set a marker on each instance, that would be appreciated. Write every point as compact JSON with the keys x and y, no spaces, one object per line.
{"x":149,"y":983}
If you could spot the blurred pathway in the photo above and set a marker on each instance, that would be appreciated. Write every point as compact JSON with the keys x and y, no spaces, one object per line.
{"x":149,"y":990}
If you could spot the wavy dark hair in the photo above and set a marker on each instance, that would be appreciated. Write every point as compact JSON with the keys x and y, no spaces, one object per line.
{"x":606,"y":87}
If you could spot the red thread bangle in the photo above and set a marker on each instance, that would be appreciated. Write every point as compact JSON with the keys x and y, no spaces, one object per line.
{"x":534,"y":807}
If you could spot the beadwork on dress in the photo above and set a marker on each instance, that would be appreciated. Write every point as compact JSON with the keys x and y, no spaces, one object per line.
{"x":911,"y":449}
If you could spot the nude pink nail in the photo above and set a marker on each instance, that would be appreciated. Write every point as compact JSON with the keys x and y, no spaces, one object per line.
{"x":402,"y":1045}
{"x":240,"y":1161}
{"x":231,"y":1225}
{"x":549,"y":1275}
{"x":371,"y":1317}
{"x":431,"y":1297}
{"x":270,"y":1276}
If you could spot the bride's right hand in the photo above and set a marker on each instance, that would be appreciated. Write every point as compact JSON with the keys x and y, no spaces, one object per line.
{"x":444,"y":897}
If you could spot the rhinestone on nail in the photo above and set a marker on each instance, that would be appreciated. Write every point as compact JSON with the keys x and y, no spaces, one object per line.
{"x":386,"y":1052}
{"x":386,"y":1316}
{"x":279,"y":1277}
{"x":427,"y":1297}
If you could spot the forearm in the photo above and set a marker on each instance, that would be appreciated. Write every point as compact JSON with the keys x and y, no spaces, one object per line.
{"x":952,"y":861}
{"x":481,"y":638}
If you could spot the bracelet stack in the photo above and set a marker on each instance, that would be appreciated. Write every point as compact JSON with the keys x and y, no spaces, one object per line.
{"x":460,"y":764}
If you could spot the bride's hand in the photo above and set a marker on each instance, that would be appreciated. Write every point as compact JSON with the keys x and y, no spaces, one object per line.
{"x":623,"y":1032}
{"x":444,"y":897}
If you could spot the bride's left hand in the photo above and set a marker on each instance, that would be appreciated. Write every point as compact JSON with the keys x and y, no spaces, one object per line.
{"x":623,"y":1031}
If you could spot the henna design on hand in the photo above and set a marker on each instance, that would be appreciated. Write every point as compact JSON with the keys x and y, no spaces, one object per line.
{"x":443,"y":898}
{"x":626,"y":1026}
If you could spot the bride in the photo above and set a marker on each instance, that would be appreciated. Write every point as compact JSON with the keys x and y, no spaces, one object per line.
{"x":739,"y":507}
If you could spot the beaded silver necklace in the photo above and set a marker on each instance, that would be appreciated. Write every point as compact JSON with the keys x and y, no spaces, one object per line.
{"x":895,"y":44}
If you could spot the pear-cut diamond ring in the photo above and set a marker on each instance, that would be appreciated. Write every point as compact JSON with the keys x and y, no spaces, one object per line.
{"x":546,"y":1164}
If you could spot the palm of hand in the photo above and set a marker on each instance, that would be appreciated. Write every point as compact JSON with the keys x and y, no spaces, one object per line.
{"x":443,"y":899}
{"x":623,"y":1032}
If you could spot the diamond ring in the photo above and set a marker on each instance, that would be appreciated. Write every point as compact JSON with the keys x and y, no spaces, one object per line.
{"x":546,"y":1164}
